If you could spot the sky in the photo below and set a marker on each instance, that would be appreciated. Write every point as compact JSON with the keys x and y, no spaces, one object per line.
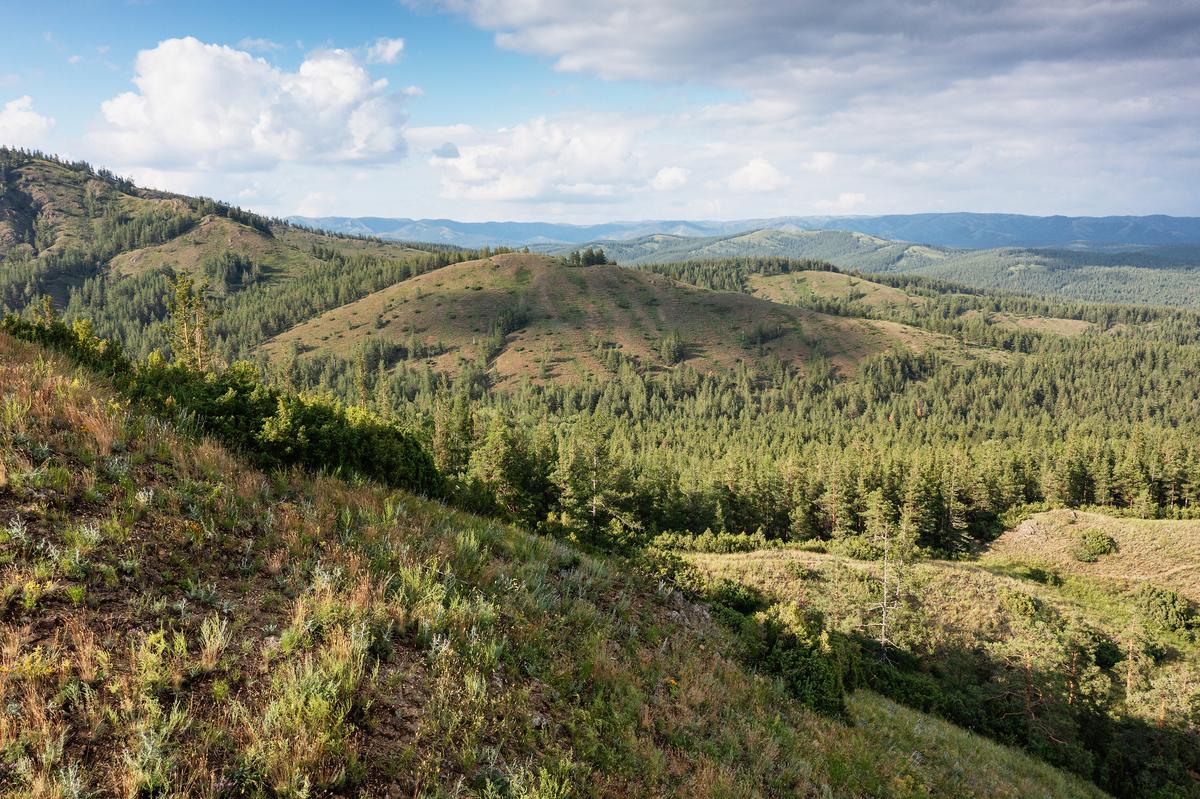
{"x":596,"y":110}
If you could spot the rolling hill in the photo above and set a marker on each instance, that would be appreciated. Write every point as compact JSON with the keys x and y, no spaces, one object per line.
{"x":526,"y":315}
{"x":62,"y":223}
{"x":808,"y":287}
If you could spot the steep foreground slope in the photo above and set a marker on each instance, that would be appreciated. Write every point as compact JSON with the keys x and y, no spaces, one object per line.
{"x":175,"y":623}
{"x":532,"y":316}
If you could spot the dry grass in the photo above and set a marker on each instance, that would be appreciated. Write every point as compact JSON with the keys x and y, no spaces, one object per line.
{"x":794,"y":286}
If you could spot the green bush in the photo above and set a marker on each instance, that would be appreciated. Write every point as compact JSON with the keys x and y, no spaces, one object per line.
{"x":1165,"y":610}
{"x":1092,"y":545}
{"x":738,"y":596}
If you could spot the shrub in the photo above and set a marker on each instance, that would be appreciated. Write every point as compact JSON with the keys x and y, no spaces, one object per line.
{"x":738,"y":596}
{"x":1092,"y":545}
{"x":274,"y":427}
{"x":859,"y":547}
{"x":1164,"y":609}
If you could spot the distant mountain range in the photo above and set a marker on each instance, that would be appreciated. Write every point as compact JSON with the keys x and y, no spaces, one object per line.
{"x":958,"y":230}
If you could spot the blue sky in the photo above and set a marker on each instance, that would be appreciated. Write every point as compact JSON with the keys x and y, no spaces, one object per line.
{"x":585,"y":111}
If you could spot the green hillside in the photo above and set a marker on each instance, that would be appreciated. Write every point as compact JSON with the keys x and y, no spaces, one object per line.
{"x":645,"y":487}
{"x":104,"y":248}
{"x":177,"y":623}
{"x":1087,"y":656}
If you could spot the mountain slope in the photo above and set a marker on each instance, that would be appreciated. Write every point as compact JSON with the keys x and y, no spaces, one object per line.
{"x":867,"y":253}
{"x":176,"y":623}
{"x":532,"y":316}
{"x":62,"y":224}
{"x":1092,"y":665}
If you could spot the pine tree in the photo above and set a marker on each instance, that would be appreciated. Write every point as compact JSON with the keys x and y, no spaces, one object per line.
{"x":500,"y":467}
{"x":593,"y":490}
{"x":453,"y":434}
{"x":190,"y":320}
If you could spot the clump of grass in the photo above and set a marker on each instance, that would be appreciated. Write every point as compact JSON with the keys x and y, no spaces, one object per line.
{"x":149,"y":760}
{"x":304,"y":739}
{"x":214,"y":638}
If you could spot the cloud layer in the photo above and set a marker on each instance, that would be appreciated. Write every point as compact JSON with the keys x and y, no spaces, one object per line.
{"x":540,"y":160}
{"x":899,"y":104}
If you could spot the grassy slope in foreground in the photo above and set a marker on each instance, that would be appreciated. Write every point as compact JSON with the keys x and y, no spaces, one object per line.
{"x":174,"y":623}
{"x":565,"y":311}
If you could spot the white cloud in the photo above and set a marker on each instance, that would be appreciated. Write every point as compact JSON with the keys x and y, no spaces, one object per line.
{"x":758,"y":175}
{"x":427,"y":137}
{"x":669,"y":178}
{"x":385,"y":51}
{"x":22,"y":126}
{"x":822,"y":161}
{"x":204,"y":106}
{"x":542,"y":160}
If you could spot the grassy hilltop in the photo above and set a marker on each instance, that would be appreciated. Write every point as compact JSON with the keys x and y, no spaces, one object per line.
{"x":524,"y":315}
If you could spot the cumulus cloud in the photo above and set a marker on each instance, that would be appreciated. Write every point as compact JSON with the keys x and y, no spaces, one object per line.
{"x":206,"y":106}
{"x":446,"y":150}
{"x":669,"y":178}
{"x":20,"y":125}
{"x":385,"y":51}
{"x":758,"y":175}
{"x":542,"y":160}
